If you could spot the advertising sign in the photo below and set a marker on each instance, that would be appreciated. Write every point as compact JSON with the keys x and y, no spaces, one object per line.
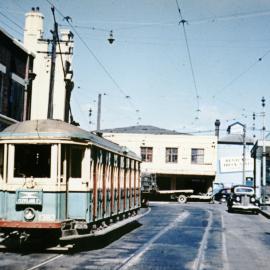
{"x":235,"y":164}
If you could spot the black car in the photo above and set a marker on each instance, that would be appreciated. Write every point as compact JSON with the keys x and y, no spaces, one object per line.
{"x":222,"y":195}
{"x":242,"y":198}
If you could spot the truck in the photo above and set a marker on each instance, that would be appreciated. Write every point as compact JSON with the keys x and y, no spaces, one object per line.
{"x":151,"y":191}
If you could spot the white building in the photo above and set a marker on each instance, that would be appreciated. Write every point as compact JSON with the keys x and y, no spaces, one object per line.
{"x":230,"y":154}
{"x":179,"y":161}
{"x":262,"y":167}
{"x":35,"y":42}
{"x":230,"y":161}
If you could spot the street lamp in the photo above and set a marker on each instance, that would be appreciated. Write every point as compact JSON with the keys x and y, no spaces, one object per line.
{"x":244,"y":148}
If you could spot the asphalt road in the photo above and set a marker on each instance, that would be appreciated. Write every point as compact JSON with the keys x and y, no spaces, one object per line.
{"x":171,"y":236}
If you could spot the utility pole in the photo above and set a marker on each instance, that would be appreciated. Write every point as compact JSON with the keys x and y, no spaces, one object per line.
{"x":99,"y":113}
{"x":244,"y":154}
{"x":52,"y":75}
{"x":263,"y":153}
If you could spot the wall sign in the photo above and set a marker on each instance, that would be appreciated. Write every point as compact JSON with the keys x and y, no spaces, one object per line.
{"x":235,"y":164}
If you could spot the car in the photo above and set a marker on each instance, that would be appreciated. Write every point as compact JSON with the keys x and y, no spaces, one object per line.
{"x":243,"y":199}
{"x":222,"y":195}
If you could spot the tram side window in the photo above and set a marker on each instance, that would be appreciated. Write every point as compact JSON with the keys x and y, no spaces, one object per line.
{"x":76,"y":162}
{"x":32,"y":160}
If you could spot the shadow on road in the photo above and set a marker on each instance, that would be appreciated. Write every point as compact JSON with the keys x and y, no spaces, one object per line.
{"x":84,"y":244}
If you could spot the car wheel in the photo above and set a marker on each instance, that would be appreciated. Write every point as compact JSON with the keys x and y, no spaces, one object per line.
{"x":182,"y":198}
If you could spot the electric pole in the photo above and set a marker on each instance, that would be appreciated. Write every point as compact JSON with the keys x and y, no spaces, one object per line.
{"x":263,"y":153}
{"x":99,"y":113}
{"x":52,"y":74}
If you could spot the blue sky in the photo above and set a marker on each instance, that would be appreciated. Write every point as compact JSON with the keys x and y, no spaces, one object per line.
{"x":148,"y":79}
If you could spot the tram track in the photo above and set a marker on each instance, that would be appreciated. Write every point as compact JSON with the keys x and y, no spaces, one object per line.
{"x":59,"y":256}
{"x":133,"y":258}
{"x":198,"y":263}
{"x":53,"y":258}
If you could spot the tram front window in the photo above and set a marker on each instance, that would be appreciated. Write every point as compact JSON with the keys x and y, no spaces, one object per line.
{"x":32,"y":160}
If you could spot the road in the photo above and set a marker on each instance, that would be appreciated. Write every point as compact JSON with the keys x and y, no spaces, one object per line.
{"x":171,"y":236}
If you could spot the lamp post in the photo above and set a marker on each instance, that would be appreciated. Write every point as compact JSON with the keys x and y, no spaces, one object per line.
{"x":263,"y":154}
{"x":244,"y":149}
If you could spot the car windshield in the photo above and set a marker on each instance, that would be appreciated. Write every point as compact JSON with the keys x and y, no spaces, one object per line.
{"x":247,"y":190}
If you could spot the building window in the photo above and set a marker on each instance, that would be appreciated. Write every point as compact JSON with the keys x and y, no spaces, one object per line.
{"x":1,"y":161}
{"x":1,"y":91}
{"x":16,"y":101}
{"x":197,"y":156}
{"x":171,"y":155}
{"x":147,"y":154}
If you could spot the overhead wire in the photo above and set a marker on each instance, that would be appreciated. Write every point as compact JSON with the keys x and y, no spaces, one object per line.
{"x":10,"y":27}
{"x":198,"y":21}
{"x":182,"y":21}
{"x":94,"y":56}
{"x":11,"y":20}
{"x":239,"y":76}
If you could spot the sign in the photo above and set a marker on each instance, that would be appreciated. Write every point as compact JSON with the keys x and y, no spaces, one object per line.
{"x":249,"y":181}
{"x":26,"y":197}
{"x":235,"y":164}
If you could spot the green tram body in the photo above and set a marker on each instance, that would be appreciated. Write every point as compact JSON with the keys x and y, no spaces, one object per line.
{"x":58,"y":179}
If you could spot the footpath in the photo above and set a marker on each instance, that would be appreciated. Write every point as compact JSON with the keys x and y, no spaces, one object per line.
{"x":265,"y":211}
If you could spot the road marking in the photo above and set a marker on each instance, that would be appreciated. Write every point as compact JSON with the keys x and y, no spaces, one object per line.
{"x":200,"y":256}
{"x":224,"y":246}
{"x":45,"y":262}
{"x":133,"y":259}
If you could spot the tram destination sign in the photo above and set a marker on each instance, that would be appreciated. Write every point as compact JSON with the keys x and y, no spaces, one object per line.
{"x":27,"y":197}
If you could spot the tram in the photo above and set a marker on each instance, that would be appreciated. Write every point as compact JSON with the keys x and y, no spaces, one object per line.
{"x":62,"y":182}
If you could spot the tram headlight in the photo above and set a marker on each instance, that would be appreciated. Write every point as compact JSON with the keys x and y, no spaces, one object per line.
{"x":252,"y":199}
{"x":29,"y":214}
{"x":237,"y":199}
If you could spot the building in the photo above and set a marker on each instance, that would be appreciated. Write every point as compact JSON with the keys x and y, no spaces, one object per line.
{"x":261,"y":167}
{"x":178,"y":160}
{"x":16,"y":74}
{"x":230,"y":151}
{"x":61,"y":81}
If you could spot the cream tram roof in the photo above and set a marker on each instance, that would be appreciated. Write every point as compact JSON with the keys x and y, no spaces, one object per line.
{"x":51,"y":129}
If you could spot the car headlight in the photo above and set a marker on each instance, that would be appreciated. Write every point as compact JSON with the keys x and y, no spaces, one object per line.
{"x":29,"y":214}
{"x":252,"y":199}
{"x":237,"y":199}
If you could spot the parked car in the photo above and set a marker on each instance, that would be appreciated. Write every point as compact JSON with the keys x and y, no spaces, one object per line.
{"x":222,"y":195}
{"x":242,"y":198}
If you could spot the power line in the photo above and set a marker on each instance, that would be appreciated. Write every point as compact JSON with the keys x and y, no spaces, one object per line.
{"x":196,"y":21}
{"x":240,"y":75}
{"x":10,"y":27}
{"x":231,"y":17}
{"x":11,"y":20}
{"x":94,"y":56}
{"x":183,"y":22}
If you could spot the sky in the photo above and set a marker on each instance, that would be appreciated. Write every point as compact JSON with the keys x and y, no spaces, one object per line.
{"x":178,"y":76}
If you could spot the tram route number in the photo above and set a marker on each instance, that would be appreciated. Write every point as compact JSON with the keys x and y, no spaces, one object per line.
{"x":28,"y":197}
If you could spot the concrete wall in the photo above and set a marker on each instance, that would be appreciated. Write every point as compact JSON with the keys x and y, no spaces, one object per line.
{"x":184,"y":143}
{"x":233,"y":155}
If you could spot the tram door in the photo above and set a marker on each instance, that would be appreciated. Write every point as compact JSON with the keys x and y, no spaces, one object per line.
{"x":78,"y":172}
